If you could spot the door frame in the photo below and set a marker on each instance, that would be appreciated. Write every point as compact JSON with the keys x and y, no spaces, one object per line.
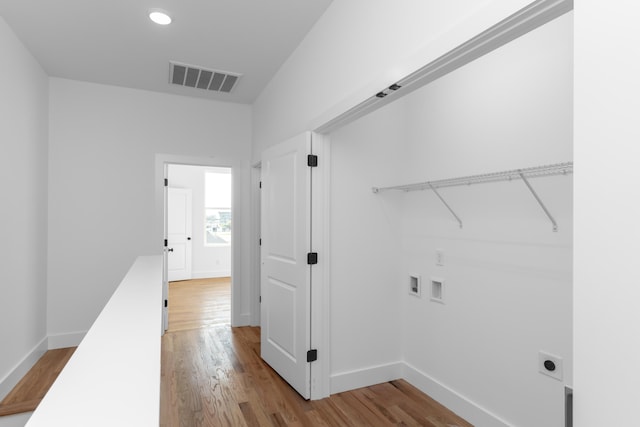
{"x":256,"y":235}
{"x":162,"y":161}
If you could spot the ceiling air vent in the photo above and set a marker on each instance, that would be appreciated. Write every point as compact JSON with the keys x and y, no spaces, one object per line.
{"x":202,"y":78}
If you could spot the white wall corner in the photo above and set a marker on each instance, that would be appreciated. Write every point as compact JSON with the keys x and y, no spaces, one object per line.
{"x":462,"y":406}
{"x":71,"y":339}
{"x":366,"y":377}
{"x":11,"y":379}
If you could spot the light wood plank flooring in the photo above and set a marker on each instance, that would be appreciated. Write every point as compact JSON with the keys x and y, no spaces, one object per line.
{"x":28,"y":393}
{"x":212,"y":375}
{"x":199,"y":303}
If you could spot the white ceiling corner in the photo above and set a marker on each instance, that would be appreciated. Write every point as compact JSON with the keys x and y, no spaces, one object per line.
{"x":114,"y":42}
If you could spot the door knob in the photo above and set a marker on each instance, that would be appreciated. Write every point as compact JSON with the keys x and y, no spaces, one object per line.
{"x":170,"y":250}
{"x":188,"y":238}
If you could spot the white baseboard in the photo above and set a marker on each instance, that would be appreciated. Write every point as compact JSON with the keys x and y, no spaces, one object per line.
{"x":453,"y":400}
{"x":210,"y":274}
{"x":11,"y":379}
{"x":464,"y":407}
{"x":365,"y":377}
{"x":72,"y":339}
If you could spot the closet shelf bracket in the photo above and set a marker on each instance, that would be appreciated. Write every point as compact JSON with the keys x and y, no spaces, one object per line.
{"x":542,"y":205}
{"x":523,"y":174}
{"x":446,"y":204}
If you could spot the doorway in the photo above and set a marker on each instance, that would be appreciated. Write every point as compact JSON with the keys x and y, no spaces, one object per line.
{"x":199,"y":221}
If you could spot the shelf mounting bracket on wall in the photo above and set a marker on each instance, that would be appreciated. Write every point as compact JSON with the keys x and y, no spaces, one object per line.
{"x":446,"y":204}
{"x":535,"y":195}
{"x":510,"y":175}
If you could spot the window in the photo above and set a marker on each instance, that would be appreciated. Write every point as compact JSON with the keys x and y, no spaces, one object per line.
{"x":217,"y":207}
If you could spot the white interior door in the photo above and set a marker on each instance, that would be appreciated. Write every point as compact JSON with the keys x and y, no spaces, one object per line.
{"x":285,"y":274}
{"x":179,"y":234}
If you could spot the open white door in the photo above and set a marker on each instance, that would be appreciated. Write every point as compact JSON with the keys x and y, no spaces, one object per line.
{"x":285,"y":274}
{"x":179,"y":234}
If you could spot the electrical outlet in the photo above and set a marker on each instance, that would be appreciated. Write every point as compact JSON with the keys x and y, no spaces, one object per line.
{"x":550,"y":365}
{"x":439,"y":257}
{"x":414,"y":285}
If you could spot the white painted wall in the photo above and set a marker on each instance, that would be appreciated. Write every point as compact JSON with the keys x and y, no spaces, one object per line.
{"x":23,"y":215}
{"x":344,"y":60}
{"x":607,"y":208}
{"x":102,"y":194}
{"x":366,"y":316}
{"x":359,"y":47}
{"x":207,"y":261}
{"x":508,"y":281}
{"x":508,"y":277}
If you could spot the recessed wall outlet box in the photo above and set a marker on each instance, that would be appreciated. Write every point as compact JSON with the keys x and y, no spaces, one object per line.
{"x":550,"y":365}
{"x":439,"y":257}
{"x":414,"y":285}
{"x":437,"y":290}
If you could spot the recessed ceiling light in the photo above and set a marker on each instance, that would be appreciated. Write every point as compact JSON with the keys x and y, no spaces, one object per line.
{"x":159,"y":16}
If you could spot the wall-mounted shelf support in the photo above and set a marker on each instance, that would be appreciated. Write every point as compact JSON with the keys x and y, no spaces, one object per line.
{"x":523,"y":174}
{"x":447,"y":205}
{"x":544,"y":208}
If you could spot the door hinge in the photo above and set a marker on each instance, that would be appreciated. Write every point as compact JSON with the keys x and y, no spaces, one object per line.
{"x":259,"y":242}
{"x":166,"y":243}
{"x":166,"y":182}
{"x":312,"y":258}
{"x":260,"y":184}
{"x":166,"y":303}
{"x":312,"y":355}
{"x":312,"y":160}
{"x":260,"y":299}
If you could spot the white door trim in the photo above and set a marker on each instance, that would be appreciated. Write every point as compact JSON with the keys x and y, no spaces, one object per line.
{"x":255,"y":243}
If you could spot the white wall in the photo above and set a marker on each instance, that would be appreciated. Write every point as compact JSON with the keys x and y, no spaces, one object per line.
{"x":102,"y":194}
{"x":366,"y":316}
{"x":607,"y":208}
{"x":508,"y":281}
{"x":508,"y":276}
{"x":207,"y":261}
{"x":23,"y":215}
{"x":359,"y":47}
{"x":355,"y":49}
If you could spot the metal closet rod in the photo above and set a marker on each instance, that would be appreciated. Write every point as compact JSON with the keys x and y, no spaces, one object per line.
{"x":510,"y":175}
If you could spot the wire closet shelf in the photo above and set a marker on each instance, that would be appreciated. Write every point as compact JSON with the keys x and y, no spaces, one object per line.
{"x":510,"y":175}
{"x":533,"y":172}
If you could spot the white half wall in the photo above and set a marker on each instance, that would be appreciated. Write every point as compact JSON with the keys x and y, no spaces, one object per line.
{"x":24,"y":120}
{"x":207,"y":261}
{"x":104,"y":142}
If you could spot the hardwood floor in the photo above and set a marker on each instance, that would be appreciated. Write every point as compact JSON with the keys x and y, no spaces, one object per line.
{"x":212,"y":375}
{"x":215,"y":377}
{"x":199,"y":303}
{"x":28,"y":393}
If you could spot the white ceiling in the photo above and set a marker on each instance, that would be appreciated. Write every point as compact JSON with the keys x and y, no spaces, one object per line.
{"x":113,"y":41}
